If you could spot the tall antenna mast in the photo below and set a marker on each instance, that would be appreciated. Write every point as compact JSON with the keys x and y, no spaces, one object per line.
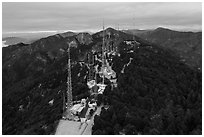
{"x":69,"y":83}
{"x":103,"y":56}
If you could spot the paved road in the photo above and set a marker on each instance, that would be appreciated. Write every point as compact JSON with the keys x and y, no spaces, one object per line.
{"x":67,"y":127}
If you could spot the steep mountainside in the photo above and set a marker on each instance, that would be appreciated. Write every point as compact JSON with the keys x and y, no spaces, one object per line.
{"x":188,"y":45}
{"x":151,"y":81}
{"x":34,"y":74}
{"x":156,"y":94}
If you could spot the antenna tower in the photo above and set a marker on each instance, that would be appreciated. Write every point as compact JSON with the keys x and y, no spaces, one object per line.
{"x":103,"y":52}
{"x":69,"y":83}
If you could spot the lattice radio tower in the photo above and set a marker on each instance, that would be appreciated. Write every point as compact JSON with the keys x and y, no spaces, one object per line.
{"x":103,"y":53}
{"x":69,"y":82}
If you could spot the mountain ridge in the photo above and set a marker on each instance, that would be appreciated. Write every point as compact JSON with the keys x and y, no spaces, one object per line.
{"x":187,"y":45}
{"x":36,"y":73}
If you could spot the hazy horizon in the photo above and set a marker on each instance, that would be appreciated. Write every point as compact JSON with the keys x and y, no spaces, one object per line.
{"x":48,"y":33}
{"x":51,"y":18}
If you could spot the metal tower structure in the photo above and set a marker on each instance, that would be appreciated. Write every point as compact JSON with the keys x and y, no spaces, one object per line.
{"x":103,"y":53}
{"x":69,"y":102}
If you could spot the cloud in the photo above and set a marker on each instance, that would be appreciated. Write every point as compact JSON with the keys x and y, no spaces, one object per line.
{"x":19,"y":17}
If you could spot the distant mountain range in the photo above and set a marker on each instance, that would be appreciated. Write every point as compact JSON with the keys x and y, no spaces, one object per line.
{"x":28,"y":38}
{"x":188,"y":45}
{"x":14,"y":40}
{"x":67,"y":34}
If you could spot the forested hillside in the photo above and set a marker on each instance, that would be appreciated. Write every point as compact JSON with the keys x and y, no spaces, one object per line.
{"x":187,"y":45}
{"x":156,"y":94}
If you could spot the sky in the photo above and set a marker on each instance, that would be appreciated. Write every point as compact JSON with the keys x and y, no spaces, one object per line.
{"x":50,"y":17}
